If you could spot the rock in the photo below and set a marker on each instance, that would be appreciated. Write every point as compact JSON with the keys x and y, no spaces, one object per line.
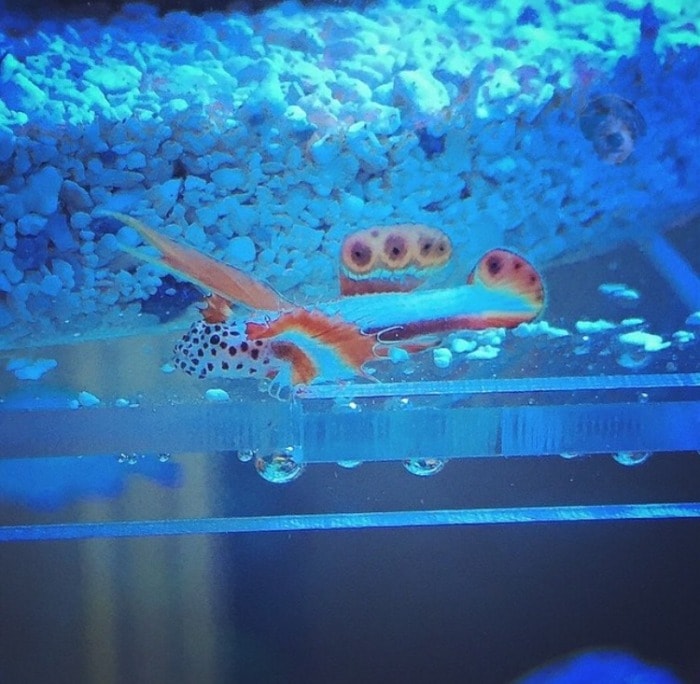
{"x":229,"y":179}
{"x":116,"y":178}
{"x":114,"y":77}
{"x":80,"y":220}
{"x":28,"y":369}
{"x":64,"y":271}
{"x":461,"y":346}
{"x":420,"y":92}
{"x":59,"y":233}
{"x":297,"y":119}
{"x":41,"y":192}
{"x":195,"y":235}
{"x":74,"y":197}
{"x":240,"y":250}
{"x":485,"y":353}
{"x":208,"y":215}
{"x":87,"y":399}
{"x":31,"y":224}
{"x":163,"y":197}
{"x":135,"y":160}
{"x":325,"y":150}
{"x":216,"y":395}
{"x":7,"y":143}
{"x":648,"y":341}
{"x":442,"y":357}
{"x":383,"y":119}
{"x":51,"y":285}
{"x":365,"y":146}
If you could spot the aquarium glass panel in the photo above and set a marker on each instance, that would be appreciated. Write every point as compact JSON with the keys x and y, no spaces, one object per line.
{"x":326,"y":265}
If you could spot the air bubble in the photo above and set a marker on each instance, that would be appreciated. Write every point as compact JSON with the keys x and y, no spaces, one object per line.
{"x":424,"y":466}
{"x":279,"y":467}
{"x":245,"y":455}
{"x":341,"y":405}
{"x":349,"y":464}
{"x":397,"y":403}
{"x":631,"y":458}
{"x":163,"y":457}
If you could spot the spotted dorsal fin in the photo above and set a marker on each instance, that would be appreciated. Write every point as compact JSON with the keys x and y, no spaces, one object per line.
{"x":220,"y":279}
{"x":501,"y":270}
{"x":391,"y":258}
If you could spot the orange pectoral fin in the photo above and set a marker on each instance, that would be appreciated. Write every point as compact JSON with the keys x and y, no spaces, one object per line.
{"x":222,"y":279}
{"x":308,"y":337}
{"x":303,"y":368}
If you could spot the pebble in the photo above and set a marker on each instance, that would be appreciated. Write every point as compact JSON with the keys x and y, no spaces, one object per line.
{"x":420,"y":92}
{"x":648,"y":341}
{"x":87,"y":399}
{"x":327,"y":112}
{"x":461,"y":346}
{"x":486,"y":353}
{"x":683,"y":337}
{"x":7,"y":143}
{"x":41,"y":192}
{"x":216,"y":395}
{"x":30,"y":369}
{"x":592,"y":327}
{"x":113,"y":78}
{"x":240,"y":250}
{"x":693,"y":319}
{"x":75,"y":197}
{"x":31,"y":224}
{"x":442,"y":357}
{"x":539,"y":328}
{"x":229,"y":179}
{"x":398,"y":355}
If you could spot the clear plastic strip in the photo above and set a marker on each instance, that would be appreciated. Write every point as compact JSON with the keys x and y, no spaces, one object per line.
{"x":337,"y":521}
{"x":505,"y":385}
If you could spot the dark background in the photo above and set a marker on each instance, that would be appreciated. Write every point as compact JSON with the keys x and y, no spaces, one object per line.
{"x":482,"y":604}
{"x":103,"y":9}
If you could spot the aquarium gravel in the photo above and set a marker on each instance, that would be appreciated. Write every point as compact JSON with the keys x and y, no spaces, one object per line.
{"x":263,"y":139}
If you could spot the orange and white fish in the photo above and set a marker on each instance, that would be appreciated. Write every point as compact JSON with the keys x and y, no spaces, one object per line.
{"x":382,"y":303}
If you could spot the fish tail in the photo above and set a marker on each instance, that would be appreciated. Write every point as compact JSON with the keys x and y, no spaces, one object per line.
{"x":221,"y":279}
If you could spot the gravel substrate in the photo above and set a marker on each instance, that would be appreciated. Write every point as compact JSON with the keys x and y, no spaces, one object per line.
{"x":264,"y":139}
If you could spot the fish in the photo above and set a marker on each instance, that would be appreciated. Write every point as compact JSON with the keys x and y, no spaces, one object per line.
{"x":385,"y":300}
